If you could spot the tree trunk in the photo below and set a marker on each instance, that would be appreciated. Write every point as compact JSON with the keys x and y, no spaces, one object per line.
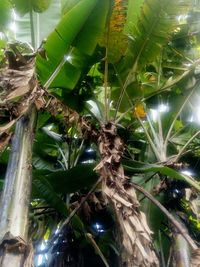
{"x":181,"y":249}
{"x":135,"y":243}
{"x":15,"y":200}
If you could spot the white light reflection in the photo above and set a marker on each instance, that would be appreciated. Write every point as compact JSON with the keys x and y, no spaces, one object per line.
{"x":98,"y":227}
{"x":1,"y":36}
{"x":195,"y":117}
{"x":57,"y":231}
{"x":13,"y":26}
{"x":187,"y":172}
{"x":42,"y":257}
{"x":68,"y":58}
{"x":182,"y":18}
{"x":162,"y":108}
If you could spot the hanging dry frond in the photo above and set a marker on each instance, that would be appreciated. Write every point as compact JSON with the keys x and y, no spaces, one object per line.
{"x":195,"y":259}
{"x":19,"y":88}
{"x":4,"y":140}
{"x":134,"y":234}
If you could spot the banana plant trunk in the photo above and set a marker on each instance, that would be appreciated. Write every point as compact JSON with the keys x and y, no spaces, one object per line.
{"x":134,"y":235}
{"x":180,"y":250}
{"x":15,"y":250}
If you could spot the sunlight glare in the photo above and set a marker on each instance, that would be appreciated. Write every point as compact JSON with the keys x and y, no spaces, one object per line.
{"x":13,"y":26}
{"x":162,"y":108}
{"x":68,"y":58}
{"x":187,"y":172}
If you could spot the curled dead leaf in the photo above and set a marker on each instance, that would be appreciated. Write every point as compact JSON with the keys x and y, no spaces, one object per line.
{"x":195,"y":259}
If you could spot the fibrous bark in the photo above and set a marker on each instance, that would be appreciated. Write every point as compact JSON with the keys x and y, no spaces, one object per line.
{"x":135,"y":235}
{"x":180,"y":248}
{"x":19,"y":84}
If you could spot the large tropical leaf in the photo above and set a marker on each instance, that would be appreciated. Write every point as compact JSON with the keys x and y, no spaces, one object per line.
{"x":64,"y":182}
{"x":43,"y":189}
{"x":138,"y":167}
{"x":5,"y":11}
{"x":24,"y":6}
{"x":75,"y":37}
{"x":114,"y":38}
{"x":157,"y":21}
{"x":43,"y":23}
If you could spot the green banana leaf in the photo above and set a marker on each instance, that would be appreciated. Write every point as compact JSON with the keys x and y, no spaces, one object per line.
{"x":75,"y":37}
{"x":43,"y":189}
{"x":141,"y":167}
{"x":5,"y":11}
{"x":65,"y":182}
{"x":157,"y":21}
{"x":24,"y":6}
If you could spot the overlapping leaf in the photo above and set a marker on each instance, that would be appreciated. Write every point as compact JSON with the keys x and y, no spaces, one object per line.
{"x":157,"y":21}
{"x":24,"y":6}
{"x":75,"y":37}
{"x":69,"y":181}
{"x":5,"y":11}
{"x":138,"y":167}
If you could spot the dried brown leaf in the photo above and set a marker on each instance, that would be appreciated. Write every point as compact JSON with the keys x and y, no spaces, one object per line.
{"x":195,"y":259}
{"x":4,"y":140}
{"x":7,"y":126}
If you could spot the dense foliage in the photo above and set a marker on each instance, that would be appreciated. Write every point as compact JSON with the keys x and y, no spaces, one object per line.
{"x":116,"y":87}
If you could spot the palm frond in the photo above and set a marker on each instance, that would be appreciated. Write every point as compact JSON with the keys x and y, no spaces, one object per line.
{"x":157,"y":21}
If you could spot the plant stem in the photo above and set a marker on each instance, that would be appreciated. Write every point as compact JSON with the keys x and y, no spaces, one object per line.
{"x":97,"y":249}
{"x":168,"y":215}
{"x":32,"y":26}
{"x":71,"y":215}
{"x":106,"y":100}
{"x":57,"y":70}
{"x":180,"y":248}
{"x":156,"y":152}
{"x":17,"y":189}
{"x":176,"y":116}
{"x":186,"y":145}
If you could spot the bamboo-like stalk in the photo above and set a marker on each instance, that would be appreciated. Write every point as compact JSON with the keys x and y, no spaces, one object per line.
{"x":15,"y":199}
{"x":180,"y":250}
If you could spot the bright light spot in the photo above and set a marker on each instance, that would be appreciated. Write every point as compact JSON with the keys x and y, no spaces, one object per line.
{"x":187,"y":172}
{"x":68,"y":58}
{"x":1,"y":36}
{"x":40,"y":260}
{"x":162,"y":108}
{"x":13,"y":27}
{"x":177,"y":30}
{"x":139,"y":130}
{"x":57,"y":231}
{"x":187,"y":64}
{"x":154,"y":114}
{"x":89,"y":150}
{"x":191,"y":119}
{"x":98,"y":227}
{"x":41,"y":257}
{"x":182,"y":18}
{"x":195,"y":117}
{"x":49,"y":127}
{"x":87,"y":161}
